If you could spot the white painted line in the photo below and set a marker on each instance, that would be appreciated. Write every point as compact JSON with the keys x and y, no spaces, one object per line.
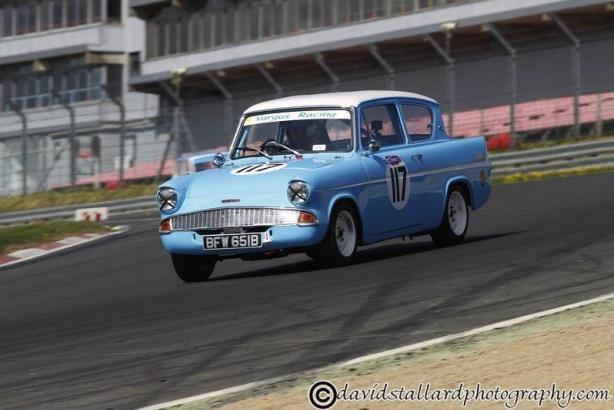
{"x":38,"y":253}
{"x":380,"y":355}
{"x":476,"y":331}
{"x":71,"y":240}
{"x":93,"y":235}
{"x":27,"y":253}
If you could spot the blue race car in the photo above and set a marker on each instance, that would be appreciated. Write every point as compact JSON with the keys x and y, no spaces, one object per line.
{"x":323,"y":174}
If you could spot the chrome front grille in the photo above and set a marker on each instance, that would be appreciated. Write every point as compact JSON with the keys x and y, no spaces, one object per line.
{"x":234,"y":218}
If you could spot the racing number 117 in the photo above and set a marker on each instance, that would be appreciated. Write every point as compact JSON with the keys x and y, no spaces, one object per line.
{"x":398,"y":175}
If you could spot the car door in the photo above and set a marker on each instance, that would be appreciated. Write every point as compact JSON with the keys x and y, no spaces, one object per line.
{"x":391,"y":192}
{"x":424,"y":156}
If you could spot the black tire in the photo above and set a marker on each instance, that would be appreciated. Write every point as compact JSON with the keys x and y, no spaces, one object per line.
{"x":451,"y":230}
{"x":333,"y":252}
{"x":193,"y":268}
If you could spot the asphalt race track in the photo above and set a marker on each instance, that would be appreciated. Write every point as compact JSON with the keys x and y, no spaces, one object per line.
{"x":110,"y":326}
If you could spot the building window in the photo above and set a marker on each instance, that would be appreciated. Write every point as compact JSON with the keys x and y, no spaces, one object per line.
{"x":26,"y":17}
{"x":114,"y":10}
{"x":44,"y":13}
{"x":45,"y":97}
{"x":7,"y":21}
{"x":172,"y":36}
{"x":7,"y":94}
{"x":162,"y":30}
{"x":152,"y":39}
{"x":96,"y":11}
{"x":83,"y":6}
{"x":57,"y":11}
{"x":29,"y":89}
{"x":72,"y":13}
{"x":183,"y":35}
{"x":95,"y":83}
{"x":195,"y":32}
{"x":135,"y":63}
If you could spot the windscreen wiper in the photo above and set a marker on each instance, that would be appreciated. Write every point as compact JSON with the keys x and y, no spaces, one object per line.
{"x":297,"y":154}
{"x":252,"y":149}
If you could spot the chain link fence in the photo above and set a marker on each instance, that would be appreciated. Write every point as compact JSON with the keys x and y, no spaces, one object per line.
{"x":150,"y":150}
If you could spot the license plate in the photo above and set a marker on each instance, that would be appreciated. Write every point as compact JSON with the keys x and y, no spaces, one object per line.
{"x":233,"y":241}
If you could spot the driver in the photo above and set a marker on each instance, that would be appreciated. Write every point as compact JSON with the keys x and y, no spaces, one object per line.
{"x":297,"y":136}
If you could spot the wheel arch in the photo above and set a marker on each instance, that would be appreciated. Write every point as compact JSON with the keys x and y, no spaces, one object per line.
{"x":351,"y":201}
{"x":462,"y":182}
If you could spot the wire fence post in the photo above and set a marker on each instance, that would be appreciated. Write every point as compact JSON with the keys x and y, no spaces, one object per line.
{"x":512,"y":79}
{"x":24,"y":148}
{"x":122,"y":133}
{"x":73,"y":147}
{"x":72,"y":138}
{"x":450,"y":76}
{"x":576,"y":70}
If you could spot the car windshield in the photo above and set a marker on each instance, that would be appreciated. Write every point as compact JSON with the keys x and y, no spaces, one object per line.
{"x":305,"y":132}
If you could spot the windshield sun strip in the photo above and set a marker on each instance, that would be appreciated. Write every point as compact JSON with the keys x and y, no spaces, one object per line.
{"x":235,"y":148}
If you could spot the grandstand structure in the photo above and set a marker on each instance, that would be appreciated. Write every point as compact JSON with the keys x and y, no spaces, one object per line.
{"x":64,"y":67}
{"x":184,"y":70}
{"x":497,"y":66}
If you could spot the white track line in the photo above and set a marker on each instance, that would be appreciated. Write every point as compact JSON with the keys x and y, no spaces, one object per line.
{"x":36,"y":253}
{"x":386,"y":353}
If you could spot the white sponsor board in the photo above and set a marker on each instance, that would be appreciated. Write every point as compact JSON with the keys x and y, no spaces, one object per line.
{"x":92,"y":214}
{"x":298,"y":115}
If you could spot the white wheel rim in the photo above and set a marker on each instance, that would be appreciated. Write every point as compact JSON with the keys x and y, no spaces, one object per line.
{"x":457,"y":213}
{"x":345,"y":233}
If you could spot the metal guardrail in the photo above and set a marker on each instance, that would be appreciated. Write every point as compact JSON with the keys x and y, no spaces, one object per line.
{"x":119,"y":207}
{"x":598,"y":152}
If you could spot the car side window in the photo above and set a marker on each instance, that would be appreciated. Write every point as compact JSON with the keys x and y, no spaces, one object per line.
{"x":418,"y":121}
{"x":379,"y":123}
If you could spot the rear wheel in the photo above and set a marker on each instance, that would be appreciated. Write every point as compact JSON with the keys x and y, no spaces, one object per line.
{"x":455,"y":221}
{"x":339,"y":245}
{"x":191,"y":268}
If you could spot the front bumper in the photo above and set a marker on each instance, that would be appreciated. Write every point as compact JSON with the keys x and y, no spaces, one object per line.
{"x":278,"y":238}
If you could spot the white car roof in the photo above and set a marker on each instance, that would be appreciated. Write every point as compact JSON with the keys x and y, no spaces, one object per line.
{"x":343,"y":99}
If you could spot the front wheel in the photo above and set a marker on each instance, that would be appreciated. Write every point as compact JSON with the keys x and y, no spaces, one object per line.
{"x":339,"y":245}
{"x":455,"y":221}
{"x":192,"y":268}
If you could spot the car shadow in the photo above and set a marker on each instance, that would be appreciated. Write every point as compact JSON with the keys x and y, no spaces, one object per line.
{"x":362,"y":256}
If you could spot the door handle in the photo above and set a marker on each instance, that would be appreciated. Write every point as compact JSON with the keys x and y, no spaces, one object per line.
{"x":417,"y":157}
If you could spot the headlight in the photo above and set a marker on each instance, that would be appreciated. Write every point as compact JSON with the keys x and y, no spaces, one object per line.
{"x":167,"y":199}
{"x":298,"y":192}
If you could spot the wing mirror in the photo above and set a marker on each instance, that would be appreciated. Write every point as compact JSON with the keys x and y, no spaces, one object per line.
{"x":374,"y":145}
{"x":218,"y":160}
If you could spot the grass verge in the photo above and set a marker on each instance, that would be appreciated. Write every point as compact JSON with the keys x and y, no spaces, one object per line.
{"x":15,"y":237}
{"x":67,"y":197}
{"x":572,"y":348}
{"x":539,"y":175}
